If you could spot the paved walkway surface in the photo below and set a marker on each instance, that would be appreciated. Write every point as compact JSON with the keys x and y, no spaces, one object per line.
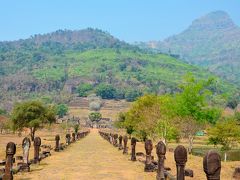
{"x":89,"y":158}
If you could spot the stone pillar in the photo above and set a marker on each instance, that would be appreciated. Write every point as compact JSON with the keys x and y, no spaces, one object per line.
{"x":180,"y":156}
{"x":133,"y":146}
{"x":68,"y":139}
{"x":120,"y":143}
{"x":10,"y":151}
{"x":57,"y":139}
{"x":37,"y":144}
{"x":26,"y":144}
{"x":161,"y":151}
{"x":125,"y":140}
{"x":148,"y":149}
{"x":236,"y":174}
{"x":212,"y":165}
{"x":73,"y":137}
{"x":115,"y":136}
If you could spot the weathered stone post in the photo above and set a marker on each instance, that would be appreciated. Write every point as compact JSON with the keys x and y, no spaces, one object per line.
{"x":180,"y":156}
{"x":133,"y":145}
{"x":161,"y":151}
{"x":212,"y":165}
{"x":10,"y":151}
{"x":125,"y":140}
{"x":26,"y":144}
{"x":115,"y":136}
{"x":120,"y":143}
{"x":236,"y":174}
{"x":57,"y":139}
{"x":37,"y":144}
{"x":73,"y":137}
{"x":148,"y":149}
{"x":68,"y":139}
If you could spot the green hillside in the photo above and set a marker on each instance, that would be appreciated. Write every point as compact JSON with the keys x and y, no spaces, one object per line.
{"x":54,"y":69}
{"x":212,"y":41}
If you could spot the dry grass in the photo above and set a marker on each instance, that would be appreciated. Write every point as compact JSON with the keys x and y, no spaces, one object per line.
{"x":195,"y":163}
{"x":94,"y":158}
{"x":89,"y":158}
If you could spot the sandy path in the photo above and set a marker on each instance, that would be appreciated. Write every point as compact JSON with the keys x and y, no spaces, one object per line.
{"x":89,"y":158}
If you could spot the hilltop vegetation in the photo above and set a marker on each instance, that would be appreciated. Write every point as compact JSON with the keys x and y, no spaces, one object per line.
{"x":212,"y":41}
{"x":56,"y":65}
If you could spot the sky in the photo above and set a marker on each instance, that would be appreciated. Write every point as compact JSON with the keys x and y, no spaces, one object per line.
{"x":128,"y":20}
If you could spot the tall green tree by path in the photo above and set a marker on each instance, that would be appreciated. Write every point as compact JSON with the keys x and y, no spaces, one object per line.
{"x":32,"y":115}
{"x":165,"y":126}
{"x":143,"y":116}
{"x":192,"y":106}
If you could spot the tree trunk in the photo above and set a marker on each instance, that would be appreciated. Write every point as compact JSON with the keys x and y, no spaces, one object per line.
{"x":32,"y":133}
{"x":190,"y":140}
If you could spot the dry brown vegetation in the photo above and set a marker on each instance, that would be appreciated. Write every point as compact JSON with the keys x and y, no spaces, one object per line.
{"x":95,"y":158}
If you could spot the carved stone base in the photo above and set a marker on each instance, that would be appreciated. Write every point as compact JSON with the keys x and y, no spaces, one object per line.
{"x":7,"y":177}
{"x":23,"y":167}
{"x":149,"y":167}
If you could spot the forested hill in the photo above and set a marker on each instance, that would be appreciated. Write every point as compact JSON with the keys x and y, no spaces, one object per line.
{"x":211,"y":41}
{"x":53,"y":66}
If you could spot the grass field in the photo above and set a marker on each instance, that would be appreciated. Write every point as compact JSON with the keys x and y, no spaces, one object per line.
{"x":103,"y":160}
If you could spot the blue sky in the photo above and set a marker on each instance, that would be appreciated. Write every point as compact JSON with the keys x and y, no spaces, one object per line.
{"x":129,"y":20}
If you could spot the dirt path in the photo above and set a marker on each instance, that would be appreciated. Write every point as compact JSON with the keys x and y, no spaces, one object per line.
{"x":89,"y":158}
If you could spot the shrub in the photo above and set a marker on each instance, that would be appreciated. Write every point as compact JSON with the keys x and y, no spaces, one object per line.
{"x":84,"y":89}
{"x":95,"y":106}
{"x":106,"y":91}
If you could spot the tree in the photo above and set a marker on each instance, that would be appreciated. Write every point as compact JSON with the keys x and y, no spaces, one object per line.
{"x":132,"y":95}
{"x":62,"y":110}
{"x":106,"y":91}
{"x":95,"y":116}
{"x":225,"y":133}
{"x":84,"y":89}
{"x":166,"y":125}
{"x":192,"y":109}
{"x":32,"y":115}
{"x":143,"y":116}
{"x":3,"y":123}
{"x":2,"y":111}
{"x":121,"y":123}
{"x":76,"y":128}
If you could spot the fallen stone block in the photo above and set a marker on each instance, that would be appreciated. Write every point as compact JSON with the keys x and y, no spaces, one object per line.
{"x":188,"y":172}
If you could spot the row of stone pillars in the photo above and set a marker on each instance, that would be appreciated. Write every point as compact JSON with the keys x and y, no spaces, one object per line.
{"x":211,"y":161}
{"x":26,"y":144}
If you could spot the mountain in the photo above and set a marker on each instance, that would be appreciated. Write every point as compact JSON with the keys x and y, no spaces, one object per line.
{"x":52,"y":66}
{"x":212,"y":41}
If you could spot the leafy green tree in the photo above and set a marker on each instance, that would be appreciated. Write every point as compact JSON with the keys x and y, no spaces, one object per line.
{"x":121,"y":123}
{"x":2,"y":111}
{"x":95,"y":116}
{"x":166,"y":127}
{"x":143,"y":116}
{"x":192,"y":106}
{"x":132,"y":95}
{"x":237,"y":116}
{"x":225,"y":133}
{"x":106,"y":91}
{"x":62,"y":110}
{"x":32,"y":115}
{"x":84,"y":89}
{"x":76,"y":127}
